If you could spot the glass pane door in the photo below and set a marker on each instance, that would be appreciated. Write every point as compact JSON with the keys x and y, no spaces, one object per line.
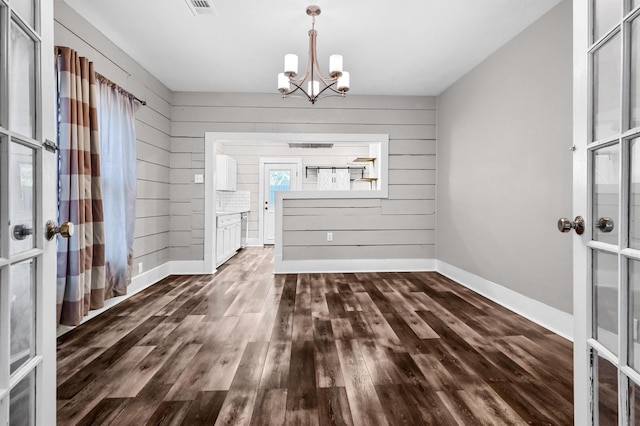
{"x":27,"y":385}
{"x":276,"y":177}
{"x":613,"y":217}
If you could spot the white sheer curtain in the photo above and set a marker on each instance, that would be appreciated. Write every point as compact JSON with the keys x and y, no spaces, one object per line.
{"x":116,"y":116}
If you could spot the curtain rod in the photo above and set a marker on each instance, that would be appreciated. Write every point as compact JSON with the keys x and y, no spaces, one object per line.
{"x":107,"y":81}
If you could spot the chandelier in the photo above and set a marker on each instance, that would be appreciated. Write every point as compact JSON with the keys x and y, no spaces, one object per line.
{"x":337,"y":84}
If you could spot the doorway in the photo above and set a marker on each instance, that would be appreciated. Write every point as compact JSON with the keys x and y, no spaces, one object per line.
{"x":275,"y":175}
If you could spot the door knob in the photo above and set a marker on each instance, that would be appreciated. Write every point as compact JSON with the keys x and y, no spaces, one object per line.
{"x":65,"y":229}
{"x":605,"y":224}
{"x":566,"y":225}
{"x":20,"y":232}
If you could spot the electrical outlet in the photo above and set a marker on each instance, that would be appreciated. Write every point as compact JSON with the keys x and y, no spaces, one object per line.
{"x":329,"y":236}
{"x":140,"y":267}
{"x":198,"y":178}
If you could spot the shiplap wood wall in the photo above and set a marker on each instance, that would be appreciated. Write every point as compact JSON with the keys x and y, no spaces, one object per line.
{"x":153,"y":127}
{"x":402,"y":226}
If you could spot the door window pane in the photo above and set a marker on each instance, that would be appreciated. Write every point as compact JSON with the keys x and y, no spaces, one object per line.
{"x":607,"y":381}
{"x":634,"y":315}
{"x":634,"y":403}
{"x":22,"y":288}
{"x":21,"y":193}
{"x":279,"y":180}
{"x":25,"y":9}
{"x":605,"y":299}
{"x":634,"y":196}
{"x":606,"y":90}
{"x":606,"y":189}
{"x":606,"y":14}
{"x":634,"y":95}
{"x":22,"y":406}
{"x":22,"y":99}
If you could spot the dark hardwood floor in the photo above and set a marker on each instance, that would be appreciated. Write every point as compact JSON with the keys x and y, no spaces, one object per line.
{"x":245,"y":346}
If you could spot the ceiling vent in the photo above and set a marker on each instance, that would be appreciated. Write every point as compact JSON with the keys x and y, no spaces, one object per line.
{"x":201,"y":7}
{"x":310,"y":145}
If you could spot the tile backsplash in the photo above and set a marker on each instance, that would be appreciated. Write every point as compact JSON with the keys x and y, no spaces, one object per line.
{"x":233,"y":201}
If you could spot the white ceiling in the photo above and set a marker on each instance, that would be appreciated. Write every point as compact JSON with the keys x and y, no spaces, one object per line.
{"x":405,"y":47}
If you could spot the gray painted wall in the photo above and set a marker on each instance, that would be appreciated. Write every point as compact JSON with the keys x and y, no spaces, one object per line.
{"x":504,"y":165}
{"x":410,"y":123}
{"x":153,"y":126}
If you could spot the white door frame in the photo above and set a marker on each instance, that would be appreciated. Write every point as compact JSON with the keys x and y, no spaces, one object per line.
{"x":297,"y":186}
{"x":581,"y":289}
{"x":44,"y":252}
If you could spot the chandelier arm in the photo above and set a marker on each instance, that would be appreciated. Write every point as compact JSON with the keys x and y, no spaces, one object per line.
{"x":330,"y":86}
{"x":299,"y":87}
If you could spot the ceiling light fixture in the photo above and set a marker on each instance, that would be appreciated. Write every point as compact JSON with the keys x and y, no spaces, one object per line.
{"x":337,"y":82}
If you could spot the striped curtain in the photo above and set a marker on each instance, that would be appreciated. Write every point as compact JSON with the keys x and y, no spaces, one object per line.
{"x":81,"y":258}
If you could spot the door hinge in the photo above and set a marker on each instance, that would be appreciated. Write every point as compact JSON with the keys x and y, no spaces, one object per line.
{"x":573,"y":148}
{"x":50,"y":146}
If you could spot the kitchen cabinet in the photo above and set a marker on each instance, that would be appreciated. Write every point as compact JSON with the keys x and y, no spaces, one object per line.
{"x":228,"y":237}
{"x":226,"y":173}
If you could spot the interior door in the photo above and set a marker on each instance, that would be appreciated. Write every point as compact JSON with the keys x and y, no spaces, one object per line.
{"x":27,"y":199}
{"x":276,"y":177}
{"x":607,"y":195}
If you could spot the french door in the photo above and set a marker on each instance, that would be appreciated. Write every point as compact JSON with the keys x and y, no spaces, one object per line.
{"x":27,"y":200}
{"x":275,"y":175}
{"x":607,"y":195}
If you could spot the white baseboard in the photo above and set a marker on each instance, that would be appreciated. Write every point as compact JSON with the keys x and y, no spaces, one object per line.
{"x":254,"y":242}
{"x":352,"y":265}
{"x":188,"y":267}
{"x":548,"y":317}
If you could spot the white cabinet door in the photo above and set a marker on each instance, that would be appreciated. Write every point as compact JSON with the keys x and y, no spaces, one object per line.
{"x":232,"y":173}
{"x":227,"y":240}
{"x":334,"y":180}
{"x":325,"y":180}
{"x":220,"y":253}
{"x":341,"y":180}
{"x":226,"y":173}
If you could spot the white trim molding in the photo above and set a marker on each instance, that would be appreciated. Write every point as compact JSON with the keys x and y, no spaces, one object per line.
{"x":352,"y":265}
{"x":544,"y":315}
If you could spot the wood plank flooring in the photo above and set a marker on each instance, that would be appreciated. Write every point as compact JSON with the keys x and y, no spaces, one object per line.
{"x":246,"y":347}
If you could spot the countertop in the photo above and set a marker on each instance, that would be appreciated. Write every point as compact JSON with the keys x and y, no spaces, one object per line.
{"x":219,"y":213}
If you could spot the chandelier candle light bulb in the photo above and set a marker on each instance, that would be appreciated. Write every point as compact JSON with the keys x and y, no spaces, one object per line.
{"x":335,"y":65}
{"x":337,"y":84}
{"x":283,"y":83}
{"x":313,"y":89}
{"x":343,"y":82}
{"x":290,"y":65}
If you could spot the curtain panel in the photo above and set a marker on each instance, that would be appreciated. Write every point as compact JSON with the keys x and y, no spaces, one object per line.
{"x":116,"y":115}
{"x":81,"y":258}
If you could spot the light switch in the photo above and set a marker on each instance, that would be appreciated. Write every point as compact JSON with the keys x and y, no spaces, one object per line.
{"x":199,"y":178}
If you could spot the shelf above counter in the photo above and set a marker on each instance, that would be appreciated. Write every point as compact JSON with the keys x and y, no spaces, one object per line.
{"x":364,"y":160}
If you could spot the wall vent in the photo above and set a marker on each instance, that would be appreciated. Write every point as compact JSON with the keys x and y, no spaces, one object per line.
{"x":201,"y":7}
{"x":310,"y":145}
